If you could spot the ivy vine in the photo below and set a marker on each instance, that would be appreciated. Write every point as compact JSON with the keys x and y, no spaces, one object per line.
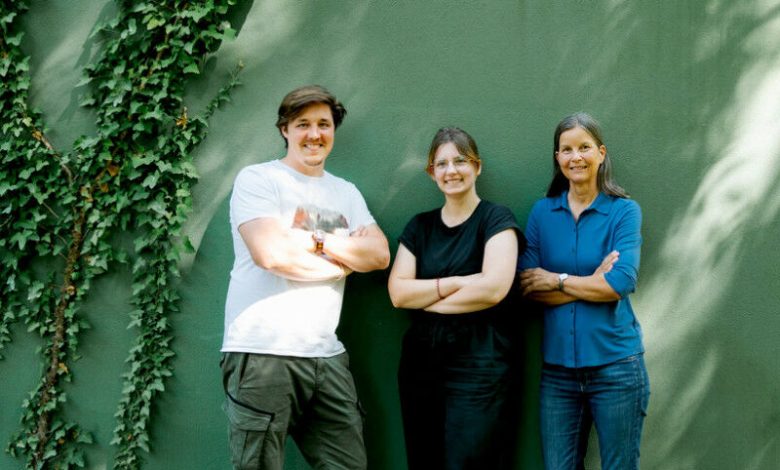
{"x":65,"y":208}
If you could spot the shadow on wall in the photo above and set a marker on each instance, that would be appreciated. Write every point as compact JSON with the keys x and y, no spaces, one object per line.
{"x":711,"y":374}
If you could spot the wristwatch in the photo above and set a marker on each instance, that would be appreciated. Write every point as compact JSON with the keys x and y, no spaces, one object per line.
{"x":319,"y":239}
{"x":562,"y":277}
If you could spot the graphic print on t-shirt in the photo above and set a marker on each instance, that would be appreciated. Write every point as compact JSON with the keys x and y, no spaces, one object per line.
{"x":313,"y":218}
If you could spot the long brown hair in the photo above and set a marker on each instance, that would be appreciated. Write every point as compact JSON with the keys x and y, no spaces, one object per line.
{"x":604,"y":180}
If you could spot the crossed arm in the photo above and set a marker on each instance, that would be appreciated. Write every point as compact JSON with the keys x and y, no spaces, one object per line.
{"x":541,"y":285}
{"x":456,"y":294}
{"x":289,"y":252}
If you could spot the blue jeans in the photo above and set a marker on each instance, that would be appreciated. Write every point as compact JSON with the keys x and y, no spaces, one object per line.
{"x":614,"y":397}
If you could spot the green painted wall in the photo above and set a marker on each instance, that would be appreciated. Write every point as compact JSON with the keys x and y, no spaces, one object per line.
{"x":689,"y":97}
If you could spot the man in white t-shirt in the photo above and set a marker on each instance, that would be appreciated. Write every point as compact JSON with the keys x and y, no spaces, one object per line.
{"x":298,"y":231}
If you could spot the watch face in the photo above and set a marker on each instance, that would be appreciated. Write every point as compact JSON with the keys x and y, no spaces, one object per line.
{"x":562,"y":277}
{"x":319,"y":238}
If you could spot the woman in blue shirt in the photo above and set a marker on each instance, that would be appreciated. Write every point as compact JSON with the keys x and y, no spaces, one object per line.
{"x":581,"y":263}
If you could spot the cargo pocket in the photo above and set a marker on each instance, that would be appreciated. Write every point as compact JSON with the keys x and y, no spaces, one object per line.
{"x":248,"y":430}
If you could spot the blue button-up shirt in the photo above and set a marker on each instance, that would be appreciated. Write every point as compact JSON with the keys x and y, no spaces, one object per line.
{"x":583,"y":333}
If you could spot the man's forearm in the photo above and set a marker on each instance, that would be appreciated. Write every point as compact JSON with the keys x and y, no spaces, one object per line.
{"x":361,"y":253}
{"x":313,"y":270}
{"x":298,"y":264}
{"x":286,"y":252}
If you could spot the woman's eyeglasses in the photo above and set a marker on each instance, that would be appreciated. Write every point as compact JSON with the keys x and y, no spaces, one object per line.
{"x":459,"y":162}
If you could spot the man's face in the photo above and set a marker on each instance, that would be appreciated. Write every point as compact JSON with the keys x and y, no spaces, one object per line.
{"x":310,"y":139}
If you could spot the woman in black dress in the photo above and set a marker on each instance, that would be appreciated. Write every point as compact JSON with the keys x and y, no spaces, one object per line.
{"x":454,"y":268}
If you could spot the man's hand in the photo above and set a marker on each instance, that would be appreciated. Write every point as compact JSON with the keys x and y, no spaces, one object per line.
{"x":365,"y":249}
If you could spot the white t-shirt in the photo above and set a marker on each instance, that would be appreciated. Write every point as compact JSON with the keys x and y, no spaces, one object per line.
{"x":269,"y":314}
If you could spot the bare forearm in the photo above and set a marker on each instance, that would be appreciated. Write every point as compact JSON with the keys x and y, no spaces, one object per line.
{"x":455,"y":294}
{"x":541,"y":285}
{"x":300,"y":265}
{"x":288,"y":253}
{"x":478,"y":295}
{"x":329,"y":273}
{"x":593,"y":288}
{"x":420,"y":293}
{"x":361,"y":254}
{"x":492,"y":284}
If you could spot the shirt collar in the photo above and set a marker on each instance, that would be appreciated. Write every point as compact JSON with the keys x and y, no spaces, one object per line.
{"x":601,"y":204}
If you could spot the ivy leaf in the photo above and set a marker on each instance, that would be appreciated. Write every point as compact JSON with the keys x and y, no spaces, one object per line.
{"x":25,"y":174}
{"x":154,"y":22}
{"x":188,"y":248}
{"x":131,"y":27}
{"x":8,"y":19}
{"x":151,"y":180}
{"x":87,"y":101}
{"x":136,"y":89}
{"x":20,"y":239}
{"x":192,"y":68}
{"x":229,"y":34}
{"x":86,"y":79}
{"x":35,"y":290}
{"x":15,"y":40}
{"x":196,"y":13}
{"x":157,"y":385}
{"x":155,"y":114}
{"x":4,"y":187}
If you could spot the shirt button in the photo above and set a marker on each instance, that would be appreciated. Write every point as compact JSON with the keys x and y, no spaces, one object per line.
{"x":571,"y":332}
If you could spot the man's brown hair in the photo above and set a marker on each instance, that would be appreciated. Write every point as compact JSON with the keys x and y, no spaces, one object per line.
{"x":297,"y":100}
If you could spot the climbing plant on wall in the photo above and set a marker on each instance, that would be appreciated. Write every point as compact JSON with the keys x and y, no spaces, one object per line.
{"x":65,"y":208}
